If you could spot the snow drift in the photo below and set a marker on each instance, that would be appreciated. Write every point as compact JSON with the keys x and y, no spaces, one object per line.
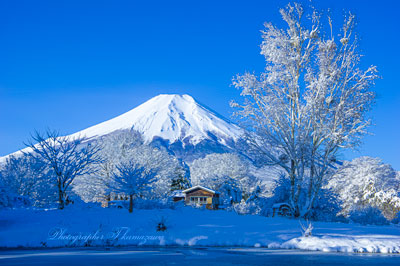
{"x":185,"y":226}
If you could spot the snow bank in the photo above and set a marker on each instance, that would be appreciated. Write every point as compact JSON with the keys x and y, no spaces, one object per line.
{"x":185,"y":227}
{"x":363,"y":243}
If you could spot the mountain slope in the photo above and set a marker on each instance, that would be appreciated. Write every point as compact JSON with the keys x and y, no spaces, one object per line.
{"x":170,"y":117}
{"x":176,"y":122}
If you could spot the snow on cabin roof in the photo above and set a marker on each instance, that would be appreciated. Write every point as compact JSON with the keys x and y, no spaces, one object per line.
{"x":278,"y":205}
{"x":200,"y":187}
{"x":177,"y":193}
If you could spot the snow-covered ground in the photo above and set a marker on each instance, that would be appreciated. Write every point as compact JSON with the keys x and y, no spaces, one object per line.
{"x":194,"y":256}
{"x":186,"y":226}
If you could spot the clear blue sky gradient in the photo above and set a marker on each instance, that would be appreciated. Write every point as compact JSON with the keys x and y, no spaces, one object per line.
{"x":69,"y":65}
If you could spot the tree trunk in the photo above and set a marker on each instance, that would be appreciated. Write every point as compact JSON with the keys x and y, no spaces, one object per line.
{"x":130,"y":203}
{"x":60,"y":197}
{"x":294,"y":199}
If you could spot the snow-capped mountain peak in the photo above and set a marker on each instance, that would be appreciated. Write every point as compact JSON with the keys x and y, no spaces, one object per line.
{"x":171,"y":117}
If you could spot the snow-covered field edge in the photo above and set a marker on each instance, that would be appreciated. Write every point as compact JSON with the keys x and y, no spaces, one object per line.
{"x":185,"y":227}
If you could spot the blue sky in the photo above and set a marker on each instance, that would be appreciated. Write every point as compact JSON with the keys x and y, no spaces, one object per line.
{"x":68,"y":65}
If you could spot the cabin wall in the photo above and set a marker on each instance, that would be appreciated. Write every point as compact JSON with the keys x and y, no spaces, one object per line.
{"x":197,"y":193}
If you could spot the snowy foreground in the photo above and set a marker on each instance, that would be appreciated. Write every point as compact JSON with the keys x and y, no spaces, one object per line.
{"x":210,"y":256}
{"x":186,"y":226}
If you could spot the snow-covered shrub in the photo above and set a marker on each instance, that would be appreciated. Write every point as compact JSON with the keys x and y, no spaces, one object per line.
{"x":4,"y":198}
{"x":281,"y":192}
{"x":13,"y":201}
{"x":255,"y":204}
{"x":26,"y":177}
{"x":367,"y":215}
{"x":327,"y":207}
{"x":4,"y":194}
{"x":367,"y":182}
{"x":8,"y":199}
{"x":262,"y":177}
{"x":230,"y":191}
{"x":148,"y":204}
{"x":306,"y":229}
{"x":161,"y":225}
{"x":248,"y":207}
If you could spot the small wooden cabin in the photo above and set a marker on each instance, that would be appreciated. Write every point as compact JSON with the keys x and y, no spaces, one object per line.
{"x":201,"y":196}
{"x":177,"y":195}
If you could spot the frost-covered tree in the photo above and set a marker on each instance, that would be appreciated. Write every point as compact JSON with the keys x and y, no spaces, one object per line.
{"x":224,"y":172}
{"x":367,"y":182}
{"x":115,"y":148}
{"x":207,"y":170}
{"x":132,"y":180}
{"x":181,"y":181}
{"x":28,"y":177}
{"x":310,"y":102}
{"x":164,"y":164}
{"x":5,"y":193}
{"x":67,"y":158}
{"x":20,"y":174}
{"x":122,"y":147}
{"x":4,"y":196}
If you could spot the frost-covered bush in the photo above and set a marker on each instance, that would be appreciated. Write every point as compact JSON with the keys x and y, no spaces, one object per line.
{"x":27,"y":179}
{"x":306,"y":229}
{"x":5,"y":195}
{"x":245,"y":207}
{"x":367,"y":182}
{"x":148,"y":204}
{"x":250,"y":207}
{"x":8,"y":199}
{"x":230,"y":191}
{"x":262,"y":197}
{"x":327,"y":208}
{"x":281,"y":192}
{"x":367,"y":215}
{"x":255,"y":204}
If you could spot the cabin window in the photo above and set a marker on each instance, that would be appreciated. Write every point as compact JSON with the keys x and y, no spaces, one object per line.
{"x":198,"y":200}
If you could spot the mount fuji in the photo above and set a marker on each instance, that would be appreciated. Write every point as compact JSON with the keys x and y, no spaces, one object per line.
{"x":176,"y":122}
{"x":173,"y":118}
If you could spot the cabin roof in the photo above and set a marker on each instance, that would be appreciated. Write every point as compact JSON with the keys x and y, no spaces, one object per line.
{"x":177,"y":194}
{"x":200,"y":187}
{"x":278,"y":205}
